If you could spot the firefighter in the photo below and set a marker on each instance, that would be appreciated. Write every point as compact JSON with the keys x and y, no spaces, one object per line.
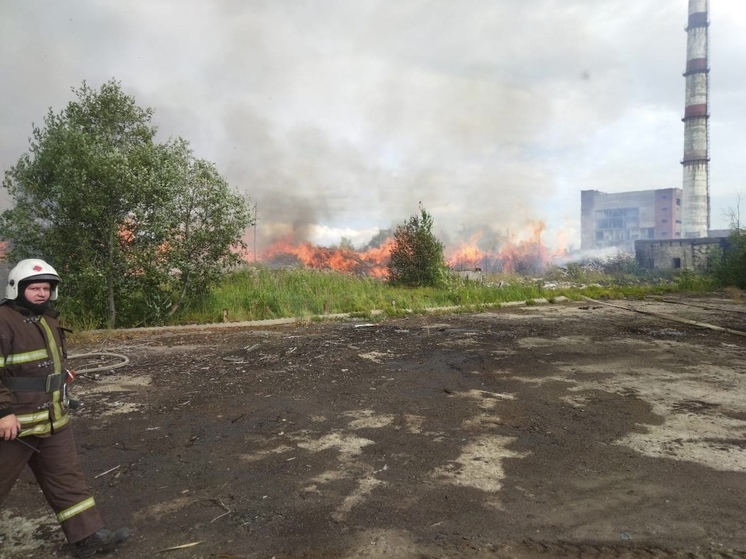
{"x":34,"y":420}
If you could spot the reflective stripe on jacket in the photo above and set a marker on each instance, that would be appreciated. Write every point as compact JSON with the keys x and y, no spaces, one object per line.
{"x":31,"y":346}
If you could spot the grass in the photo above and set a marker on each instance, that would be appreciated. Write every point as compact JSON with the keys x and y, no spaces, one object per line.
{"x":261,"y":293}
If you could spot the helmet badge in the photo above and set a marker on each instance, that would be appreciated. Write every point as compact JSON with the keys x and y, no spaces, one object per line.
{"x":38,"y":268}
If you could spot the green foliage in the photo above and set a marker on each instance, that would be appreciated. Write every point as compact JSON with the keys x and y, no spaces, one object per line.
{"x":417,"y":258}
{"x":623,"y":265}
{"x":620,"y":269}
{"x":134,"y":227}
{"x":261,"y":293}
{"x":204,"y":223}
{"x":85,"y":171}
{"x":695,"y":282}
{"x":729,"y":266}
{"x":575,"y":271}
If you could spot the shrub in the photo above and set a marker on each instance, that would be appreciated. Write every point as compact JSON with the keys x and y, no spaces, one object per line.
{"x":729,"y":266}
{"x":417,"y":258}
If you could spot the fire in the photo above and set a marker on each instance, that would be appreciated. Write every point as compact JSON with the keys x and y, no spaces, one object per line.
{"x":371,"y":262}
{"x":521,"y":253}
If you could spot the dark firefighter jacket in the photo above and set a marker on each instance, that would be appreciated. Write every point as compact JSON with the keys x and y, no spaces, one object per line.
{"x":32,"y":375}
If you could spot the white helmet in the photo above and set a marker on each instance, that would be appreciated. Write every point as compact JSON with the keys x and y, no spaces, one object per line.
{"x":29,"y":271}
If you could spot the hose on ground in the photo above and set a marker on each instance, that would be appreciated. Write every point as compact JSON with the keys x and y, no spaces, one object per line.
{"x":124,"y":361}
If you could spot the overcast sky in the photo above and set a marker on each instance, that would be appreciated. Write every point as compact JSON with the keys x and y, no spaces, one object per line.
{"x":338,"y":116}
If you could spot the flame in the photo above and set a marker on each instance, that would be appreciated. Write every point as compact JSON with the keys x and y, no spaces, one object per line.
{"x":127,"y":233}
{"x":371,"y":262}
{"x":521,"y":252}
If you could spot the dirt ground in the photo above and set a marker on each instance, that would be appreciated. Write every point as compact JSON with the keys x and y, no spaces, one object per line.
{"x":559,"y":430}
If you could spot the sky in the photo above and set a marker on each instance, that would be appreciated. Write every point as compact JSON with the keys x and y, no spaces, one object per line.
{"x":339,"y":117}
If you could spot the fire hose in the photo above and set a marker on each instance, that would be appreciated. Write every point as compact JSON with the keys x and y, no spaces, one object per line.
{"x":73,"y":374}
{"x":124,"y":358}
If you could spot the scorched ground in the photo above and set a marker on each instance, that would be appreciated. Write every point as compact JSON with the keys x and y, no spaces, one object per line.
{"x":568,"y":430}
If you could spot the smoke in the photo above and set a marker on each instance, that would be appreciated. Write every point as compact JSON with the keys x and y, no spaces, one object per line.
{"x":344,"y":116}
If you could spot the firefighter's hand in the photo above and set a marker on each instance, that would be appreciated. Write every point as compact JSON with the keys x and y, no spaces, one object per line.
{"x":9,"y":427}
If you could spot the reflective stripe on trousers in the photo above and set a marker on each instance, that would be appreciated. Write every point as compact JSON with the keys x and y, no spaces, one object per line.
{"x":75,"y":509}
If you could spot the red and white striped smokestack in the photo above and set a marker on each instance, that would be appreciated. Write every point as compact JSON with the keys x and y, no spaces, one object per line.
{"x":696,"y":186}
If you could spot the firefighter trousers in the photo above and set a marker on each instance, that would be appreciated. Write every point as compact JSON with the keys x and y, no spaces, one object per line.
{"x":59,"y":476}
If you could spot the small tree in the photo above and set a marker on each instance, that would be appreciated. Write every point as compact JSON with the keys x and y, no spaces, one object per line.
{"x":206,"y":222}
{"x":87,"y":170}
{"x":134,"y":226}
{"x":417,"y":258}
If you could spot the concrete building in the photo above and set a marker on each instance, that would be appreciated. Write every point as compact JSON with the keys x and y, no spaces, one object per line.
{"x":680,"y":254}
{"x":620,"y":219}
{"x":669,"y":228}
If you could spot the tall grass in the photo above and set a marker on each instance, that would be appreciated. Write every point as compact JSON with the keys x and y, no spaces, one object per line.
{"x":262,"y":293}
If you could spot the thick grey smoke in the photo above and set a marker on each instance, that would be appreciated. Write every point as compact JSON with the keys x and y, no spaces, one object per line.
{"x":342,"y":116}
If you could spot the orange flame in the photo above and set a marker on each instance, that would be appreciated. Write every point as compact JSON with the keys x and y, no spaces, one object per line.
{"x":524,"y":253}
{"x":510,"y":254}
{"x":372,"y":262}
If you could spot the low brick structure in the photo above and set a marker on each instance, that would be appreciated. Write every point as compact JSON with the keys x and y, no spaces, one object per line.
{"x":678,"y":254}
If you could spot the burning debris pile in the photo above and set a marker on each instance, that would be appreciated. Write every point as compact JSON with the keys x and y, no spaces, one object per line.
{"x":487,"y":253}
{"x":524,"y":258}
{"x":370,"y":262}
{"x":515,"y":254}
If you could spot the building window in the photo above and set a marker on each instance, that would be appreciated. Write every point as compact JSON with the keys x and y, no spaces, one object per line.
{"x":677,"y":263}
{"x":664,"y":221}
{"x":665,"y":209}
{"x":617,"y":218}
{"x":678,"y":221}
{"x":678,"y":201}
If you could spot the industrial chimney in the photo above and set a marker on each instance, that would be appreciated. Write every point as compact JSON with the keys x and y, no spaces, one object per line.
{"x":696,"y":186}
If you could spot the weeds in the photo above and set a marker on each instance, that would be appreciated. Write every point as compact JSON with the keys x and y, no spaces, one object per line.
{"x":260,"y":293}
{"x":694,"y":282}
